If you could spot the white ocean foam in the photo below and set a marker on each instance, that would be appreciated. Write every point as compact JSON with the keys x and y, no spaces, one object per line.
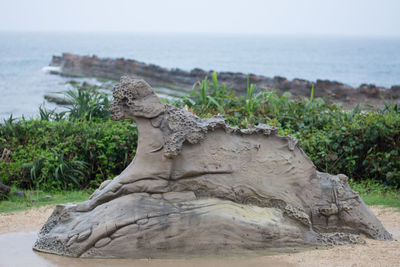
{"x":51,"y":69}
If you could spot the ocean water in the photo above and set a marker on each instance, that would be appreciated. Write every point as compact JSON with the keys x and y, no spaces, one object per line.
{"x":349,"y":60}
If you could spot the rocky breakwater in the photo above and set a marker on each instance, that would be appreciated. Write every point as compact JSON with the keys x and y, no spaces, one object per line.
{"x":199,"y":186}
{"x":332,"y":91}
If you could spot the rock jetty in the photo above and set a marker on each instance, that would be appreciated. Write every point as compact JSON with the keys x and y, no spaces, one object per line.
{"x":110,"y":68}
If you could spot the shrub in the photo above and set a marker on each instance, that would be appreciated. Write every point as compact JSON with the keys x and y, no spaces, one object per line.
{"x":64,"y":154}
{"x":88,"y":102}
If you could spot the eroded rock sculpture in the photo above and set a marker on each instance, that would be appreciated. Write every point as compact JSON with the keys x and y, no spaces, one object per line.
{"x":201,"y":186}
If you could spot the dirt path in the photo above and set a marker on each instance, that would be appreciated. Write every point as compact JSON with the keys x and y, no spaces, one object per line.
{"x":373,"y":253}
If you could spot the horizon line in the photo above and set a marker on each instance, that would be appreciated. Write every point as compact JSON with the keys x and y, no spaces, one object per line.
{"x":204,"y":33}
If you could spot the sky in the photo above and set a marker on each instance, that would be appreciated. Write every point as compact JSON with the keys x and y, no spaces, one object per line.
{"x":287,"y":17}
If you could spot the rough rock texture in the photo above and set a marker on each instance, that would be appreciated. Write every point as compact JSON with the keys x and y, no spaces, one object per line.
{"x":198,"y":186}
{"x":74,"y":65}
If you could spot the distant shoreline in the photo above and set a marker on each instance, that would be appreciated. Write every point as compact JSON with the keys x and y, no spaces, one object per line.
{"x":109,"y":68}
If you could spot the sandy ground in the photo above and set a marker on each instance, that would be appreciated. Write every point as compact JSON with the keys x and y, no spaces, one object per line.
{"x":25,"y":221}
{"x":373,"y":253}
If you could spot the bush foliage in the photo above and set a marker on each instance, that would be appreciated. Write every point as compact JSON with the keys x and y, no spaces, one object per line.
{"x":75,"y":149}
{"x":82,"y":147}
{"x":65,"y":154}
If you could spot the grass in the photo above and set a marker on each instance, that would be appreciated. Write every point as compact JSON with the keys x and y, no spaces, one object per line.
{"x":389,"y":200}
{"x":373,"y":193}
{"x":16,"y":203}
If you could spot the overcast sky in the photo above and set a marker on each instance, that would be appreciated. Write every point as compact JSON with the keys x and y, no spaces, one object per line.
{"x":327,"y":17}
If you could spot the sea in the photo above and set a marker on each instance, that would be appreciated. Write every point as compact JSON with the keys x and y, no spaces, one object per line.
{"x":351,"y":60}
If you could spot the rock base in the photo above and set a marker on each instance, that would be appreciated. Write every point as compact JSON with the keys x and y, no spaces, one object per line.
{"x":158,"y":226}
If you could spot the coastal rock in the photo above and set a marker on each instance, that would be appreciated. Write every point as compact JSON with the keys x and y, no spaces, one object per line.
{"x":199,"y":186}
{"x":60,"y":100}
{"x":333,"y":91}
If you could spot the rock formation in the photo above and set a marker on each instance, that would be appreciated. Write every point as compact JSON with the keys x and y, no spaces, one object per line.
{"x":201,"y":186}
{"x":74,"y":65}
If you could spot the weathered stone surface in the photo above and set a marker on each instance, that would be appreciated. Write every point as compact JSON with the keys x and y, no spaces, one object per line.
{"x":75,"y":65}
{"x":199,"y":186}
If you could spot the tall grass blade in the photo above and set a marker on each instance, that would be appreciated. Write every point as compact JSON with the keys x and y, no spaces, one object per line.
{"x":215,"y":102}
{"x":215,"y":83}
{"x":311,"y":96}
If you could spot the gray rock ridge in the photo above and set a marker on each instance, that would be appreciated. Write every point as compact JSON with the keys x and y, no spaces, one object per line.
{"x":199,"y":186}
{"x":114,"y":68}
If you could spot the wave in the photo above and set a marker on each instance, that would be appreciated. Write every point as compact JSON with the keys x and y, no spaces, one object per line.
{"x":51,"y":69}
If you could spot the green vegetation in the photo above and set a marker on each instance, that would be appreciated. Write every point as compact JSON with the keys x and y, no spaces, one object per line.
{"x":79,"y":148}
{"x":55,"y":155}
{"x":39,"y":198}
{"x":374,"y":193}
{"x":75,"y":150}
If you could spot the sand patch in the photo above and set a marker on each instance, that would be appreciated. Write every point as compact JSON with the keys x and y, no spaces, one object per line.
{"x":26,"y":220}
